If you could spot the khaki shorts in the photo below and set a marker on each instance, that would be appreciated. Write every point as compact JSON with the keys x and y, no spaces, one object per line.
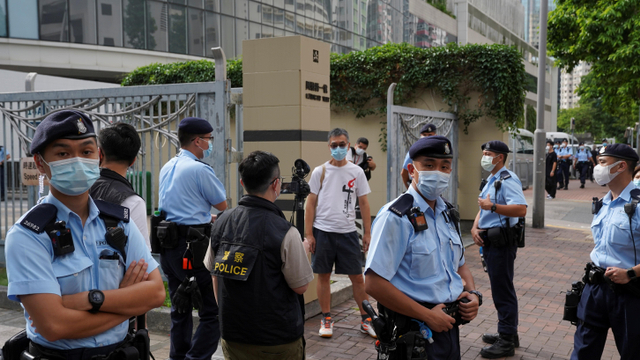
{"x":238,"y":351}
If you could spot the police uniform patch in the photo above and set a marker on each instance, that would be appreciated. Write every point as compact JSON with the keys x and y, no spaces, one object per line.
{"x":235,"y":261}
{"x":39,"y":217}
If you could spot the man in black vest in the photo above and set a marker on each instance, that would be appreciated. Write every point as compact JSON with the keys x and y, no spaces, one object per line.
{"x":119,"y":145}
{"x":259,"y":268}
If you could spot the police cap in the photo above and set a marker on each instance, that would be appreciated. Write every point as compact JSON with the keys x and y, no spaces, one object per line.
{"x":194,"y":125}
{"x":496,"y":146}
{"x":65,"y":124}
{"x":565,"y":140}
{"x":428,"y":128}
{"x":581,"y":143}
{"x":620,"y":151}
{"x":432,"y":146}
{"x":558,"y":141}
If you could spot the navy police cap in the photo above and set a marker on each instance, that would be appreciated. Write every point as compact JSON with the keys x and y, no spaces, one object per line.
{"x":194,"y":125}
{"x":432,"y":146}
{"x":65,"y":124}
{"x":428,"y":128}
{"x":496,"y":146}
{"x":620,"y":151}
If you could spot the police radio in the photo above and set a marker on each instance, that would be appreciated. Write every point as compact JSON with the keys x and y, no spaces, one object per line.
{"x":61,"y":239}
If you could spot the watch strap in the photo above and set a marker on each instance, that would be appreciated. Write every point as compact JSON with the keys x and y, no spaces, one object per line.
{"x":95,"y":306}
{"x":478,"y":294}
{"x":493,"y":208}
{"x":631,"y":273}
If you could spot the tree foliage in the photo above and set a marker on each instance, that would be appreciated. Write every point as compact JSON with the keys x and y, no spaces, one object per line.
{"x":182,"y":72}
{"x":606,"y":34}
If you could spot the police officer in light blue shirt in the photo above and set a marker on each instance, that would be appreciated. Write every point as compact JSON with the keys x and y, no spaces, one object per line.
{"x":410,"y":265}
{"x":581,"y":163}
{"x":4,"y":156}
{"x":611,"y":296}
{"x":501,"y":203}
{"x":426,"y":130}
{"x":62,"y":266}
{"x":188,"y":190}
{"x":564,"y":161}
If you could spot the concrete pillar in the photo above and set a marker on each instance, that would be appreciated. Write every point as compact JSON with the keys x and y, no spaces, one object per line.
{"x":462,"y":15}
{"x":286,"y":104}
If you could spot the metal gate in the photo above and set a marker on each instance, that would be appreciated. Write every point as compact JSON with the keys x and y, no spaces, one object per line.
{"x":154,"y":111}
{"x":403,"y":129}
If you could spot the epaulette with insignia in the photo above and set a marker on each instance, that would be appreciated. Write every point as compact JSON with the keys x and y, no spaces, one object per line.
{"x":115,"y":211}
{"x":200,"y":161}
{"x":402,"y":206}
{"x":505,"y":175}
{"x":39,"y":217}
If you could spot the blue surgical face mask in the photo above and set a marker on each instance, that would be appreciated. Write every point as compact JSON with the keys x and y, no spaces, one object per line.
{"x":206,"y":153}
{"x":73,"y":176}
{"x":432,"y":184}
{"x":555,"y":147}
{"x":339,"y":153}
{"x":636,"y":183}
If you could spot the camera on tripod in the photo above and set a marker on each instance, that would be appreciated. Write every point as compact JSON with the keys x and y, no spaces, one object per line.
{"x":298,"y":185}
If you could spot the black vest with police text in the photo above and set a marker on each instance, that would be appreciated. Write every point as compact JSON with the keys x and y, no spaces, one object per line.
{"x":111,"y":187}
{"x":256,"y":304}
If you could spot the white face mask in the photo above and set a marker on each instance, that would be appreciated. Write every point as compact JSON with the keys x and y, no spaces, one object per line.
{"x":548,"y":148}
{"x":487,"y":162}
{"x":359,"y":151}
{"x":602,"y":174}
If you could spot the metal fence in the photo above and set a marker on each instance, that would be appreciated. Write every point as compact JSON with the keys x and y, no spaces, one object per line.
{"x":154,"y":111}
{"x":403,"y":129}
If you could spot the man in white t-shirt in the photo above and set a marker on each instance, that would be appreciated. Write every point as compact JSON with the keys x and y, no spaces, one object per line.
{"x":330,"y":227}
{"x":118,"y":147}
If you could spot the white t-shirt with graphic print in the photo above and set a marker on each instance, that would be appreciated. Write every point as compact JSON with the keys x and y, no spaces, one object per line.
{"x":337,"y":199}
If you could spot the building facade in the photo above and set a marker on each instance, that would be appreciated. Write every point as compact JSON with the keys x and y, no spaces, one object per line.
{"x":569,"y":83}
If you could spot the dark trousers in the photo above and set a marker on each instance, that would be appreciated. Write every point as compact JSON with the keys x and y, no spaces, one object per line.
{"x":560,"y":174}
{"x":600,"y":308}
{"x":583,"y":168}
{"x":205,"y":339}
{"x":2,"y":181}
{"x":500,"y":269}
{"x":550,"y":185}
{"x":565,"y":172}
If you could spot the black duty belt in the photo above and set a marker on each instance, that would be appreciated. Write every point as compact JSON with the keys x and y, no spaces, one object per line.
{"x":72,"y":354}
{"x":183,"y":230}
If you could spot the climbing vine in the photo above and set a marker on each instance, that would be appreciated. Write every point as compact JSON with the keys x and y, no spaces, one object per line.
{"x":360,"y":79}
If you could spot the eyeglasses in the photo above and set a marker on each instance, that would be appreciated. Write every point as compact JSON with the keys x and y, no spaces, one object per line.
{"x":206,"y":138}
{"x":341,"y":145}
{"x":274,"y":180}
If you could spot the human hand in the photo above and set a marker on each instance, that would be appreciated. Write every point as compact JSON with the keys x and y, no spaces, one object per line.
{"x":551,"y":173}
{"x":485,"y":204}
{"x":469,"y":310}
{"x":617,"y":275}
{"x":213,"y":218}
{"x":366,"y":240}
{"x":311,"y":241}
{"x":440,"y":321}
{"x":136,"y":273}
{"x":475,"y":233}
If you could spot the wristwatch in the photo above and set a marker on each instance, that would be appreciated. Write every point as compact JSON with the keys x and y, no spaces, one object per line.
{"x":493,"y":207}
{"x":96,"y":298}
{"x":631,"y":273}
{"x":476,"y":293}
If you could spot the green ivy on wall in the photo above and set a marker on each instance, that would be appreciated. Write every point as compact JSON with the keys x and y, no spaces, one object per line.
{"x":360,"y":79}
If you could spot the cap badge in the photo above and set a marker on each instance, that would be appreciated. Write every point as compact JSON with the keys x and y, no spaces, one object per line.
{"x":446,"y":149}
{"x":602,"y":150}
{"x":488,"y":146}
{"x":81,"y":128}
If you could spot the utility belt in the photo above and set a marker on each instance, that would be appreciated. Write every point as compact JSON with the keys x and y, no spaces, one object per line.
{"x":166,"y":235}
{"x":500,"y":237}
{"x":410,"y":336}
{"x":135,"y":347}
{"x":595,"y":275}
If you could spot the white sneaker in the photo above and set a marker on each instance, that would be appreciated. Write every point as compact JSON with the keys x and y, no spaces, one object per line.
{"x":326,"y":327}
{"x":367,"y":328}
{"x":549,"y":197}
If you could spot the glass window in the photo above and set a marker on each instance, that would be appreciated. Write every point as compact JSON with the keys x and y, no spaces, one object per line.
{"x":255,"y":10}
{"x":278,"y":4}
{"x":300,"y":24}
{"x":242,"y":33}
{"x":289,"y":21}
{"x":53,"y":20}
{"x":242,"y":10}
{"x":226,"y":7}
{"x":157,"y":26}
{"x":309,"y":27}
{"x":212,"y":5}
{"x":134,"y":24}
{"x":278,"y":33}
{"x":110,"y":23}
{"x":196,"y":3}
{"x":211,"y":33}
{"x":177,"y":29}
{"x":82,"y":21}
{"x":255,"y":31}
{"x":227,"y":29}
{"x":267,"y":14}
{"x":267,"y":31}
{"x":3,"y":19}
{"x":196,"y":32}
{"x":322,"y":12}
{"x":268,"y":2}
{"x":177,"y":1}
{"x":278,"y":17}
{"x":24,"y":19}
{"x":300,"y":7}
